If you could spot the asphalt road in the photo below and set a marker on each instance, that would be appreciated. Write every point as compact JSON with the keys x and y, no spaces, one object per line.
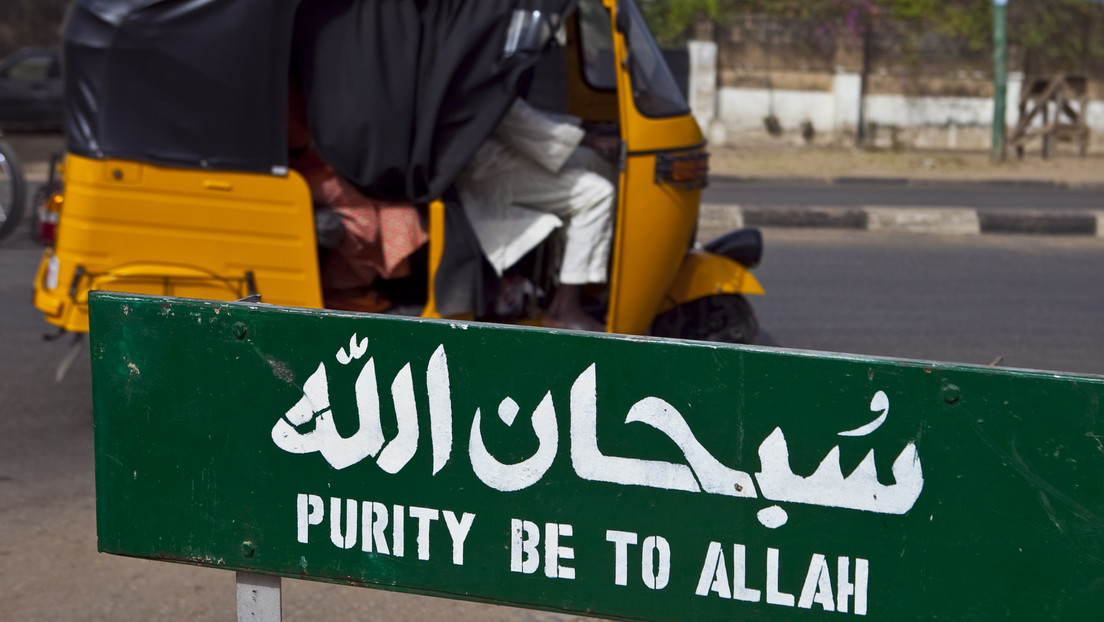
{"x":1036,"y":301}
{"x":1027,"y":196}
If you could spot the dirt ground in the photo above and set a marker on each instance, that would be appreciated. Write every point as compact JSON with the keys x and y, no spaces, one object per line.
{"x":781,"y":160}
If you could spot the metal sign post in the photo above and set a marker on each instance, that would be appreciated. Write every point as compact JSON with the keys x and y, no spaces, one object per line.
{"x":631,"y":478}
{"x":259,"y":598}
{"x":1000,"y":77}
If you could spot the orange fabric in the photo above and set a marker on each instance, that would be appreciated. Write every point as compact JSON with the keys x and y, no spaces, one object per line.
{"x":379,"y":237}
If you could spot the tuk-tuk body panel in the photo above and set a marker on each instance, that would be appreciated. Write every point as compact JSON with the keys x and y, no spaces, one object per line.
{"x":140,"y":228}
{"x":706,"y":274}
{"x":655,"y":225}
{"x":644,"y":134}
{"x":655,"y":220}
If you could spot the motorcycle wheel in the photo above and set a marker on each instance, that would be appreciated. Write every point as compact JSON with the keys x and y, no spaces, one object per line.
{"x":11,"y":191}
{"x":727,"y":318}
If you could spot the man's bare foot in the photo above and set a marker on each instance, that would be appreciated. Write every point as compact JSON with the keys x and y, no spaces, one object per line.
{"x":565,"y":311}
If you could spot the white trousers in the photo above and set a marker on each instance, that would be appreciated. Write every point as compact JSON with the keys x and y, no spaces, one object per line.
{"x":584,"y":200}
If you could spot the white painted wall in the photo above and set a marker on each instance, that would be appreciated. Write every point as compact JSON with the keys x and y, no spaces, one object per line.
{"x":846,"y":89}
{"x":839,"y":109}
{"x":928,"y":111}
{"x":703,"y":81}
{"x":1095,"y":115}
{"x":742,"y":109}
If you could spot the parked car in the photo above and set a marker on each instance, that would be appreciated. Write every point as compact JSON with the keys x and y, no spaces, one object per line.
{"x":31,"y":89}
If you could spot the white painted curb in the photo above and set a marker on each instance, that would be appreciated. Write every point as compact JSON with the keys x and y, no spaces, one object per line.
{"x":940,"y":220}
{"x":720,"y":215}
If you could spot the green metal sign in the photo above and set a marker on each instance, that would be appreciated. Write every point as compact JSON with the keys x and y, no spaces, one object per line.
{"x":609,"y":476}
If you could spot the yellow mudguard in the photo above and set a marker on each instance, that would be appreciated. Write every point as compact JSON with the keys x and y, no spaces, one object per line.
{"x":705,"y":274}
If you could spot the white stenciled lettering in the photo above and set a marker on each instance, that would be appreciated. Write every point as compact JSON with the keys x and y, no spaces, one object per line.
{"x":818,"y":585}
{"x":339,"y":451}
{"x":309,"y":511}
{"x":342,"y":452}
{"x":828,"y":487}
{"x":458,"y":529}
{"x":356,"y":350}
{"x":308,"y":426}
{"x":715,"y":478}
{"x":553,"y":552}
{"x":655,"y":562}
{"x":425,"y":516}
{"x":590,"y":463}
{"x":714,"y":575}
{"x":816,"y":588}
{"x":774,"y":595}
{"x":398,"y":531}
{"x":621,"y":541}
{"x":862,"y":575}
{"x":524,"y":538}
{"x":373,"y":523}
{"x":879,"y":404}
{"x":380,"y":531}
{"x":511,"y":477}
{"x":655,"y":558}
{"x":346,"y":539}
{"x":440,"y":408}
{"x":740,"y":590}
{"x":368,"y":408}
{"x":401,"y":448}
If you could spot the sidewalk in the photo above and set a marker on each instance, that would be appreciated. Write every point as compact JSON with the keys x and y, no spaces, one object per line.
{"x":781,"y":163}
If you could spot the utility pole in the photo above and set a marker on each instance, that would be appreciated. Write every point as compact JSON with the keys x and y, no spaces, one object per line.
{"x":861,"y":137}
{"x":1000,"y":77}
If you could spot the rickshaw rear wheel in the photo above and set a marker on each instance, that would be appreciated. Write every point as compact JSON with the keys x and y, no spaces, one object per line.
{"x":727,"y":318}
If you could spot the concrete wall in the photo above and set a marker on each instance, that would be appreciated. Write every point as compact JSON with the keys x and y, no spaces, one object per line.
{"x":744,"y":109}
{"x":913,"y":120}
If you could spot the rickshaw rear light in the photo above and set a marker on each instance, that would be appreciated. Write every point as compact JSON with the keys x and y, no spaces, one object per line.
{"x":49,"y":212}
{"x":689,"y":170}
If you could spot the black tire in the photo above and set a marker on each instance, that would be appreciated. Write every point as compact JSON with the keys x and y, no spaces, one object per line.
{"x":727,"y":318}
{"x":12,"y":189}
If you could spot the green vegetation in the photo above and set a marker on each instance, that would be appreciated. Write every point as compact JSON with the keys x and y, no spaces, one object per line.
{"x":30,"y":22}
{"x":1045,"y":35}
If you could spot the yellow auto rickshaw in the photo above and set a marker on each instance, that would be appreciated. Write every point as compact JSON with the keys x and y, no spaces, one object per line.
{"x":176,"y":177}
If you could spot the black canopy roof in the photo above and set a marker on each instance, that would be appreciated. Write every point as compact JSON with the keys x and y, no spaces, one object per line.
{"x":400,"y":93}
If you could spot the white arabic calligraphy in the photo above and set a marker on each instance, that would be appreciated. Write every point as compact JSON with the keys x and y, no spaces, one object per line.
{"x":827,"y":486}
{"x":511,"y":477}
{"x":880,"y":403}
{"x":342,"y":452}
{"x":591,"y":464}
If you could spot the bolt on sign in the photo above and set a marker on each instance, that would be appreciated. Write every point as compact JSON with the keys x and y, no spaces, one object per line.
{"x":628,"y":478}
